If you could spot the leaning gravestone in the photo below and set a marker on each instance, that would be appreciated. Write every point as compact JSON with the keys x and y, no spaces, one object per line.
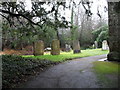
{"x":55,"y":47}
{"x":76,"y":47}
{"x":105,"y":45}
{"x":38,"y":48}
{"x":95,"y":44}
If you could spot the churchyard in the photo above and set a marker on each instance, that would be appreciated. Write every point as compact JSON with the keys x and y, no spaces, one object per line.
{"x":19,"y":68}
{"x":59,"y":45}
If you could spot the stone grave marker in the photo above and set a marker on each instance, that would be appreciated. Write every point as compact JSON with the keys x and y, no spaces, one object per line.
{"x":76,"y":47}
{"x":38,"y":48}
{"x":55,"y":47}
{"x":105,"y":45}
{"x":67,"y":48}
{"x":95,"y":44}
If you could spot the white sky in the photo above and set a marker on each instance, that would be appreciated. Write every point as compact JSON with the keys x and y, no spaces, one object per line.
{"x":101,"y":4}
{"x":67,"y":12}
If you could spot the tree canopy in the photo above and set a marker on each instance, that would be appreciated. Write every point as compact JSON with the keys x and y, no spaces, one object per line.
{"x":26,"y":26}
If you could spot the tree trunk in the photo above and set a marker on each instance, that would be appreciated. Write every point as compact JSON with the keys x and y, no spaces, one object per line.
{"x":114,"y":31}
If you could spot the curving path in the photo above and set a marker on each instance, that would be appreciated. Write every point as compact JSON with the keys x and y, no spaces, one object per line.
{"x":76,"y":73}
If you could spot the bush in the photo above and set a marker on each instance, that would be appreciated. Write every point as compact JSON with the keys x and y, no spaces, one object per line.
{"x":100,"y":34}
{"x":16,"y":68}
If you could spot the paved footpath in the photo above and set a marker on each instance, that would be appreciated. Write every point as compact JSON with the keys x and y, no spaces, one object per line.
{"x":76,"y":73}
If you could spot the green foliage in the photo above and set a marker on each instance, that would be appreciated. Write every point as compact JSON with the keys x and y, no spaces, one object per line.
{"x":65,"y":38}
{"x":16,"y":69}
{"x":74,"y":28}
{"x":16,"y":37}
{"x":100,"y":34}
{"x":75,"y":32}
{"x":47,"y":34}
{"x":65,"y":55}
{"x":20,"y":37}
{"x":23,"y":28}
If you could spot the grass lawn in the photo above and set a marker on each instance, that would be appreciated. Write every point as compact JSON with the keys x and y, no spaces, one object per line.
{"x":107,"y":73}
{"x":69,"y":55}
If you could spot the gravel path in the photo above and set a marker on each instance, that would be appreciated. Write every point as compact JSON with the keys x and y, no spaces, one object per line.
{"x":76,"y":73}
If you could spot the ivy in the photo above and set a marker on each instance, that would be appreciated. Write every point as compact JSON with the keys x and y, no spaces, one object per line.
{"x":16,"y":69}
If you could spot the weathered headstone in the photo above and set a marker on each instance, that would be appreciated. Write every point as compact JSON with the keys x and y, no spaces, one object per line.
{"x":105,"y":45}
{"x":96,"y":44}
{"x":67,"y":48}
{"x":93,"y":46}
{"x":76,"y":47}
{"x":55,"y":47}
{"x":38,"y":48}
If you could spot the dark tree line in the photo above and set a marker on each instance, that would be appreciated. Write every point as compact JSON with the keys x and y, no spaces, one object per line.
{"x":19,"y":28}
{"x":19,"y":24}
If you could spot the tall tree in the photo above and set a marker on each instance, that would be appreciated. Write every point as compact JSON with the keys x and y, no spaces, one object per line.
{"x":74,"y":32}
{"x":114,"y":31}
{"x":22,"y":24}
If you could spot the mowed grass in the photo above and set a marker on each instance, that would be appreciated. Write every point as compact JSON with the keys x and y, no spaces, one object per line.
{"x":108,"y":73}
{"x":69,"y":55}
{"x":106,"y":67}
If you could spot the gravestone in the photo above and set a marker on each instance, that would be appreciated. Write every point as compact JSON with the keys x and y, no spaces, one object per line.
{"x":55,"y":47}
{"x":105,"y":45}
{"x":67,"y":48}
{"x":76,"y":47}
{"x":38,"y":48}
{"x":95,"y":44}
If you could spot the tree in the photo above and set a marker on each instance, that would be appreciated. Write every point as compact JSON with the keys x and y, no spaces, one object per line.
{"x":114,"y":31}
{"x":20,"y":25}
{"x":74,"y":33}
{"x":100,"y":34}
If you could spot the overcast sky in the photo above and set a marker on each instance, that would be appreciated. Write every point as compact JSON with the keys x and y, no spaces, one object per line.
{"x":96,"y":3}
